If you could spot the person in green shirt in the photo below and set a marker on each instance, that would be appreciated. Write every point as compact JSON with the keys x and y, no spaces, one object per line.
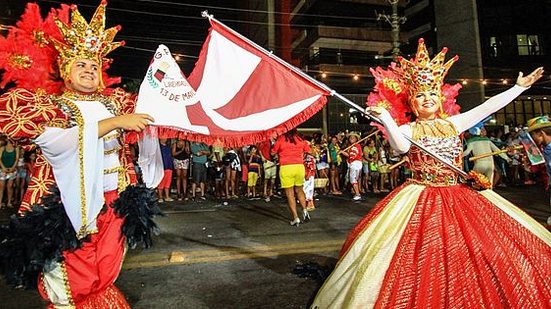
{"x":200,"y":153}
{"x":334,"y":161}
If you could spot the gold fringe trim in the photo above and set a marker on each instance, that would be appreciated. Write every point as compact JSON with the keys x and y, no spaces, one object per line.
{"x":433,"y":128}
{"x":112,"y":170}
{"x":112,"y":151}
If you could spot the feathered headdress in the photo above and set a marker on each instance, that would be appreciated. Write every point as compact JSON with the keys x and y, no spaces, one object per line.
{"x":396,"y":84}
{"x":30,"y":52}
{"x":83,"y":40}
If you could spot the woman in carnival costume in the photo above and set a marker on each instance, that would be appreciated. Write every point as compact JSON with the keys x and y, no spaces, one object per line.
{"x":434,"y":242}
{"x":80,"y":203}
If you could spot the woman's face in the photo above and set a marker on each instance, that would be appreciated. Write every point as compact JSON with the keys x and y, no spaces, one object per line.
{"x":426,"y":103}
{"x":483,"y":132}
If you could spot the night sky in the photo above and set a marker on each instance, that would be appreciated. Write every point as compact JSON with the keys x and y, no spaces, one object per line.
{"x":148,"y":23}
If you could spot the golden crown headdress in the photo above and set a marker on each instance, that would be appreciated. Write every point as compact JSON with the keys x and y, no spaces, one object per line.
{"x":422,"y":73}
{"x":83,"y":40}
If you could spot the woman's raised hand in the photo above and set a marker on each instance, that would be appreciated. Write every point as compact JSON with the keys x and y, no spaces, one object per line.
{"x":530,"y":79}
{"x":379,"y":112}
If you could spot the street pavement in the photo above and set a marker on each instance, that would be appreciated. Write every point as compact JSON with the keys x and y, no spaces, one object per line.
{"x":241,"y":255}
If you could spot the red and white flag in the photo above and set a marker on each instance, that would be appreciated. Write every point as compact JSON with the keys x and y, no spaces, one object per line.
{"x":243,"y":95}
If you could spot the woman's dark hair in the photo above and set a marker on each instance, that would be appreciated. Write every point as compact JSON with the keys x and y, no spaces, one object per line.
{"x":292,"y":136}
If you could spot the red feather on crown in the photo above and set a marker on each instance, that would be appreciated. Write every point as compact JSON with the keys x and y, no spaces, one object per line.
{"x":28,"y":57}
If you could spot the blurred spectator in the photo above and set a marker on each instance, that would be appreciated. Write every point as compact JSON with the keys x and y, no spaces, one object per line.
{"x":373,"y":159}
{"x":20,"y":178}
{"x":269,"y":168}
{"x":9,"y":157}
{"x":480,"y":144}
{"x":200,"y":153}
{"x":321,"y":152}
{"x":343,"y":164}
{"x":181,"y":154}
{"x":218,"y":168}
{"x":309,"y":184}
{"x":232,"y":165}
{"x":354,"y":155}
{"x":394,"y":158}
{"x":334,"y":163}
{"x":168,"y":164}
{"x":255,"y":162}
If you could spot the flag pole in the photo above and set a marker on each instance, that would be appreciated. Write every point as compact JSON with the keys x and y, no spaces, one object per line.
{"x":323,"y":86}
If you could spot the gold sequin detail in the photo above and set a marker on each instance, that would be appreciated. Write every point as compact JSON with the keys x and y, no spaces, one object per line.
{"x":66,"y":284}
{"x":112,"y":170}
{"x":25,"y":114}
{"x":80,"y":123}
{"x":433,"y":128}
{"x":20,"y":61}
{"x":112,"y":151}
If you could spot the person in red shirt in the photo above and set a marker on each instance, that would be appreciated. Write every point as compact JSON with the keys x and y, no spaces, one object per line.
{"x":290,"y":148}
{"x":354,"y":155}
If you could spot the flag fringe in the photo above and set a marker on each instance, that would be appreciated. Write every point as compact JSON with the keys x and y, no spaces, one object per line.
{"x":233,"y":140}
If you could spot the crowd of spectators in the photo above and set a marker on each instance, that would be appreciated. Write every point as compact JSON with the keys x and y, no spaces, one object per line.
{"x":196,"y":171}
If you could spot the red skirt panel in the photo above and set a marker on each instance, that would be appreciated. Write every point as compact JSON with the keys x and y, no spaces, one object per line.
{"x":92,"y":269}
{"x":460,"y":250}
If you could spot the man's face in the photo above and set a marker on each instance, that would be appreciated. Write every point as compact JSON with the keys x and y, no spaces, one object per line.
{"x":84,"y":76}
{"x":538,"y":137}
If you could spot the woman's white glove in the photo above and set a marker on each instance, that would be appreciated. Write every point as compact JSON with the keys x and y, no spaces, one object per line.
{"x":380,"y":113}
{"x":394,"y":133}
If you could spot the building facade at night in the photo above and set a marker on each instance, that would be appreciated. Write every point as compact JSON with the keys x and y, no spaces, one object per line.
{"x":495,"y":40}
{"x":334,"y":41}
{"x":337,"y":42}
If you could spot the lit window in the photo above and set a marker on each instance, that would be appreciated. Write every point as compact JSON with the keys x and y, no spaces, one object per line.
{"x":528,"y":45}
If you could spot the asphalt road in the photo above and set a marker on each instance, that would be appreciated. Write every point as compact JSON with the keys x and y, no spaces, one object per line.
{"x":241,"y":255}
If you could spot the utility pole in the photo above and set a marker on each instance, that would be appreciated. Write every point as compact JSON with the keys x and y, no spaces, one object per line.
{"x":395,"y":21}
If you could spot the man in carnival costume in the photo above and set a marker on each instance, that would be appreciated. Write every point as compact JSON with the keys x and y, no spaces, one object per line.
{"x":435,"y":242}
{"x":80,"y":201}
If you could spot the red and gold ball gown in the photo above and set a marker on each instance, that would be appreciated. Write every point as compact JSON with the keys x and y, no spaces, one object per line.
{"x":437,"y":243}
